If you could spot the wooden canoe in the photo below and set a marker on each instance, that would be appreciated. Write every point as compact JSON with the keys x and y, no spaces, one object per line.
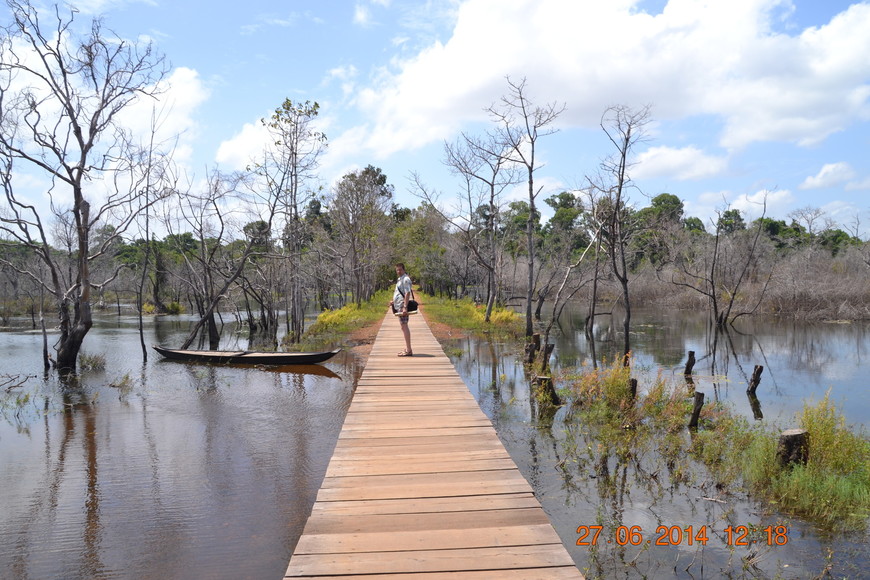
{"x":247,"y":357}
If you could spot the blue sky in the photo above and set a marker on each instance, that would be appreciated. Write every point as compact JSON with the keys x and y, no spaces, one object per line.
{"x":750,"y":98}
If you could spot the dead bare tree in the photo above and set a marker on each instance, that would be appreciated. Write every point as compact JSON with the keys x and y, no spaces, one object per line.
{"x":625,"y":128}
{"x":485,"y":175}
{"x":60,"y":98}
{"x":520,"y":124}
{"x":717,"y":266}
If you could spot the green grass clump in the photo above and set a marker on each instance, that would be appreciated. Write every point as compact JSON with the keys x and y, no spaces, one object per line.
{"x":332,"y":326}
{"x":471,"y":317}
{"x":833,"y":488}
{"x":92,"y":362}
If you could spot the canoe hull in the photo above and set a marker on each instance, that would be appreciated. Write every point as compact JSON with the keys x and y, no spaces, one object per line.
{"x":247,"y":357}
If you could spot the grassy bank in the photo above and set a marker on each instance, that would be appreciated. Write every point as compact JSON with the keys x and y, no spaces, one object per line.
{"x":332,"y":327}
{"x":464,"y":314}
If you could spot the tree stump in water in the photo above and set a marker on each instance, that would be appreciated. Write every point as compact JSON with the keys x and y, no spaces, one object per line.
{"x":755,"y":405}
{"x":547,"y":390}
{"x":793,"y":447}
{"x":532,"y":348}
{"x":690,"y":364}
{"x":696,"y":412}
{"x":756,"y":378}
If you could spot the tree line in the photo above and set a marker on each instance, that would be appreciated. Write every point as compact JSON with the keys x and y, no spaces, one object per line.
{"x":118,"y":221}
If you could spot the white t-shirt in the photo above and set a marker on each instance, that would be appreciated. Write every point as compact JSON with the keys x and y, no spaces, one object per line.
{"x":403,"y":284}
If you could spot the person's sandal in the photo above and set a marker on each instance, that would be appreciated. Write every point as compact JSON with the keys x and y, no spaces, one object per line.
{"x":405,"y":353}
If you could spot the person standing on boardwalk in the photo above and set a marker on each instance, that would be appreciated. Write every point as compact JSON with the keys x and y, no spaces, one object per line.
{"x":401,"y":297}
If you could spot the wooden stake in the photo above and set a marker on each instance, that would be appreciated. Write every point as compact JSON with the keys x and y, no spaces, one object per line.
{"x":696,"y":412}
{"x":690,"y":364}
{"x":756,"y":378}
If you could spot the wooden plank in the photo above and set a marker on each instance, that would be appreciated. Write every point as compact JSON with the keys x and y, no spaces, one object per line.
{"x":418,"y":452}
{"x":448,"y":560}
{"x":424,"y":439}
{"x":468,"y":504}
{"x":326,"y":523}
{"x":360,"y":543}
{"x":387,"y":467}
{"x":549,"y":573}
{"x":462,"y":431}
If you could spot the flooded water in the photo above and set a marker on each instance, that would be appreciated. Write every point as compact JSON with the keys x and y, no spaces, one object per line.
{"x":583,"y":482}
{"x":169,"y":470}
{"x":163,"y":470}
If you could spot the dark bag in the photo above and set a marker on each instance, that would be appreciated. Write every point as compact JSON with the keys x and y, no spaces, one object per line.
{"x":412,"y":304}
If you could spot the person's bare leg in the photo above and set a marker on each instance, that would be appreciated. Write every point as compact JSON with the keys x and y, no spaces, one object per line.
{"x":407,"y":333}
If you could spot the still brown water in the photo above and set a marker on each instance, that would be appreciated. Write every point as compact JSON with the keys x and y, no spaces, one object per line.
{"x":180,"y":471}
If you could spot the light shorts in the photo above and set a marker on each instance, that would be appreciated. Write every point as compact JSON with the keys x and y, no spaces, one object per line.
{"x":403,"y":319}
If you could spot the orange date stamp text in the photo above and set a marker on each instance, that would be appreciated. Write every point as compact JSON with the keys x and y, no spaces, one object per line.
{"x":681,"y":536}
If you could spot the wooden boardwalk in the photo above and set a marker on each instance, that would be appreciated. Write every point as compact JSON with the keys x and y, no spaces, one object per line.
{"x":419,"y":484}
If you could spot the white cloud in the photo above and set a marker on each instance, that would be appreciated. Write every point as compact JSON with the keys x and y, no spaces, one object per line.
{"x":237,"y":152}
{"x":346,"y":76}
{"x":683,"y":164}
{"x":720,"y":59}
{"x":174,"y":111}
{"x":769,"y":203}
{"x":831,"y":175}
{"x":362,"y":16}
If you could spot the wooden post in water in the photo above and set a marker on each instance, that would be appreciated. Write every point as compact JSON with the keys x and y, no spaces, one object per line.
{"x":756,"y":378}
{"x":793,"y":447}
{"x":696,"y":412}
{"x":690,"y":364}
{"x":755,"y":405}
{"x":632,"y":387}
{"x":547,"y":389}
{"x":532,"y":348}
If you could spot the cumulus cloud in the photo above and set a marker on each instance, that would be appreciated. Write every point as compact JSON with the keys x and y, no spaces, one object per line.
{"x":682,"y":164}
{"x":765,"y":202}
{"x":721,"y":59}
{"x":172,"y":114}
{"x":237,"y":152}
{"x":831,"y":175}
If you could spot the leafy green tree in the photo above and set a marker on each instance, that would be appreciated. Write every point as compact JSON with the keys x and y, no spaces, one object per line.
{"x":836,"y":240}
{"x":694,"y":225}
{"x":658,"y":230}
{"x":359,"y":212}
{"x":730,"y":221}
{"x":285,"y":172}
